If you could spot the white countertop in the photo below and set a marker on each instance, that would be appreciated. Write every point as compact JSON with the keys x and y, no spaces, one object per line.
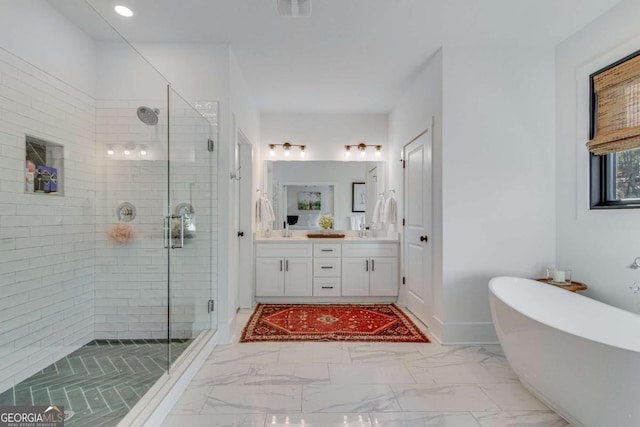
{"x":300,"y":236}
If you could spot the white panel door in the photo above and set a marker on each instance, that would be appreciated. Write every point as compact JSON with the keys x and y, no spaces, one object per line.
{"x":418,"y":225}
{"x":355,"y":276}
{"x":269,"y":277}
{"x":383,"y":277}
{"x":298,"y":277}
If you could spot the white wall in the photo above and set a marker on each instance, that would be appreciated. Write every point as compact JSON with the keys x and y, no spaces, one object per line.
{"x":325,"y":135}
{"x":40,"y":35}
{"x":598,"y":245}
{"x":421,"y":101}
{"x":498,"y":177}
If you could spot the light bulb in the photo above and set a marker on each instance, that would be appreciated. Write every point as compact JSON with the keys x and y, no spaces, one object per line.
{"x":272,"y":150}
{"x":362,"y":153}
{"x":347,"y":152}
{"x":143,"y":152}
{"x":110,"y":151}
{"x":126,"y":152}
{"x":378,"y":151}
{"x":123,"y":11}
{"x":286,"y":153}
{"x":302,"y":153}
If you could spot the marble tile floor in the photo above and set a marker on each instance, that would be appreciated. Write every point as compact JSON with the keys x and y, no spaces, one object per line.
{"x":330,"y":384}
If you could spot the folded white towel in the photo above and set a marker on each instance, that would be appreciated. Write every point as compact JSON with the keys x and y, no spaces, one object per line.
{"x":390,"y":215}
{"x":264,"y":211}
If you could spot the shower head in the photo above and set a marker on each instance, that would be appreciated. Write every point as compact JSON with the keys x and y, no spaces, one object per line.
{"x":148,"y":116}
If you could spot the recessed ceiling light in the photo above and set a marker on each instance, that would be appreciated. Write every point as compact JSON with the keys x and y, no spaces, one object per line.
{"x":123,"y":11}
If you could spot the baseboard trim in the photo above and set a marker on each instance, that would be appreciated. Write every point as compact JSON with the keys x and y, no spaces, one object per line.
{"x":455,"y":333}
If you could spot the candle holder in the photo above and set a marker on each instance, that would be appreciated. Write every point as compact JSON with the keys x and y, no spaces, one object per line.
{"x":558,"y":277}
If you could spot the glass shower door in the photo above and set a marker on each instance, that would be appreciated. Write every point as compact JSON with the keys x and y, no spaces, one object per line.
{"x":191,"y":216}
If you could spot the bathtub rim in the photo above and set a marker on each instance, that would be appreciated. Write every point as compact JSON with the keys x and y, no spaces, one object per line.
{"x":494,"y":281}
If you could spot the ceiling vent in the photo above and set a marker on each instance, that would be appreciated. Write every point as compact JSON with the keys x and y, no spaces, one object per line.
{"x":294,"y":8}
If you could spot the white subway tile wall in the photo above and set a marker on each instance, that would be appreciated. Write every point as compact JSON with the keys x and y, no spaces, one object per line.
{"x":131,"y":278}
{"x":47,"y":242}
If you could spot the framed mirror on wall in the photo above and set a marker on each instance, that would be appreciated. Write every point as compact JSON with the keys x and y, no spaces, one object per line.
{"x":301,"y":191}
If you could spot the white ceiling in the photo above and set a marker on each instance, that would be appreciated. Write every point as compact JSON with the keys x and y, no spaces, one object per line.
{"x":350,"y":55}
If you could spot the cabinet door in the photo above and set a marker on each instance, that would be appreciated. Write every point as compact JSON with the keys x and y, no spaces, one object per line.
{"x":298,"y":277}
{"x":269,"y":277}
{"x":383,"y":277}
{"x":355,"y":276}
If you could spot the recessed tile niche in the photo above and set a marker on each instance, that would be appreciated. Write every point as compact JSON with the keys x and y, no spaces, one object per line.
{"x":44,"y":167}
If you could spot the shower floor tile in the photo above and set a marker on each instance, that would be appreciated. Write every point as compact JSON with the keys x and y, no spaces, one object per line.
{"x":99,"y":383}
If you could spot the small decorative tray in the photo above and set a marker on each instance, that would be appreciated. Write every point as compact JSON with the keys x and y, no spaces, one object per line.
{"x":551,"y":282}
{"x":325,"y":236}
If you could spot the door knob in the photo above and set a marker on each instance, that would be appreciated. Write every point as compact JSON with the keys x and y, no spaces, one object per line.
{"x":240,"y":233}
{"x":424,"y":238}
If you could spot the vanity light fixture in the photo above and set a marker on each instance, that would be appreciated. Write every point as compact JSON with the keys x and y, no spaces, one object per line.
{"x":362,"y":148}
{"x":287,"y":149}
{"x":123,"y":10}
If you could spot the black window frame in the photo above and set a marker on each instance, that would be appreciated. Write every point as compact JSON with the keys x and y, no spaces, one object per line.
{"x":603,"y":168}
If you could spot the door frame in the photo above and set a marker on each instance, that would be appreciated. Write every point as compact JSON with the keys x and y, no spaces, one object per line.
{"x":404,"y":295}
{"x":244,"y":295}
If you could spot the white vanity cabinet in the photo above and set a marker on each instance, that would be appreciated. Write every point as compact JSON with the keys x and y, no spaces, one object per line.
{"x":284,"y":270}
{"x":370,"y":269}
{"x":316,"y":270}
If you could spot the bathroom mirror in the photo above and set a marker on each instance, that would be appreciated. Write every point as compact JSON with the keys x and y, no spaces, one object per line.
{"x":301,"y":191}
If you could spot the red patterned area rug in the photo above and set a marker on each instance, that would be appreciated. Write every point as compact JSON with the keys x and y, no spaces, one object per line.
{"x":331,"y":322}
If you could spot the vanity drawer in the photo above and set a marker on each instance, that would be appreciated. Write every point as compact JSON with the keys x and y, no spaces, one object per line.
{"x":324,"y":250}
{"x":327,"y":287}
{"x":285,"y":250}
{"x":370,"y":250}
{"x":327,"y":267}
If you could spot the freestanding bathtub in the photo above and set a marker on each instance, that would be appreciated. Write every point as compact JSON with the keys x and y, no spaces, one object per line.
{"x":579,"y":356}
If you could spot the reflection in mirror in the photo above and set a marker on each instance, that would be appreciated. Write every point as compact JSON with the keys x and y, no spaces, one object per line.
{"x":302,"y":191}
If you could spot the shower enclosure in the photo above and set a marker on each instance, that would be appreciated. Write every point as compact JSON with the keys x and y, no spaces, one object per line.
{"x":108,"y":271}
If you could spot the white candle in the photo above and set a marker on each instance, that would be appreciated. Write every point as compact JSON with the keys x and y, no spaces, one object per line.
{"x":558,"y":276}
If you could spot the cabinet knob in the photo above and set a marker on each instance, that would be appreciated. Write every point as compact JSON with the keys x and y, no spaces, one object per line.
{"x":424,"y":239}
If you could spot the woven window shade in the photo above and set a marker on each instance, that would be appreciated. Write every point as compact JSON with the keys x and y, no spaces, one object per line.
{"x":618,"y":108}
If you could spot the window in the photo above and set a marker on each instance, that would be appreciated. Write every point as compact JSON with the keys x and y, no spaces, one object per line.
{"x":615,"y":135}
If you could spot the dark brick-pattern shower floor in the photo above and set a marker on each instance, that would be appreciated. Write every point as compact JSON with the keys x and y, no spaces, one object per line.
{"x":99,"y":383}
